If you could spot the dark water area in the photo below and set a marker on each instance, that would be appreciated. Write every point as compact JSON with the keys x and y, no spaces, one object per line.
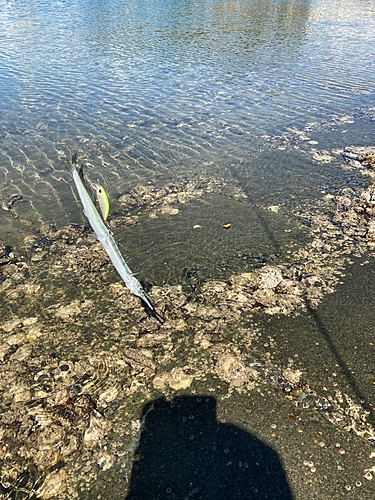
{"x":227,"y":135}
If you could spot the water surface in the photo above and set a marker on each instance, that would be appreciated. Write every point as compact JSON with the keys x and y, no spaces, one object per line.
{"x":148,"y":91}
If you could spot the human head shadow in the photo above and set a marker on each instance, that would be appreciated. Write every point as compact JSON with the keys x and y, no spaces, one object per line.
{"x":184,"y":452}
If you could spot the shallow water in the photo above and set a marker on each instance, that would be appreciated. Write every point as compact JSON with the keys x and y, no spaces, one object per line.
{"x":249,"y":102}
{"x":189,"y":87}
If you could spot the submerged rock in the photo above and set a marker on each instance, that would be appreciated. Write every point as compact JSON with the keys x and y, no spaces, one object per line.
{"x":98,"y":428}
{"x":232,"y":370}
{"x":150,"y":196}
{"x":293,"y":376}
{"x":161,"y":380}
{"x":8,"y":202}
{"x":178,"y":379}
{"x":4,"y":257}
{"x":54,"y":484}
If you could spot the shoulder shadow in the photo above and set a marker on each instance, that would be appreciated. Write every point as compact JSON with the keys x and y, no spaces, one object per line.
{"x":185,"y":453}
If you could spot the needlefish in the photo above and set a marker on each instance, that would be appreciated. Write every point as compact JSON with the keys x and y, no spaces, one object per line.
{"x":103,"y":234}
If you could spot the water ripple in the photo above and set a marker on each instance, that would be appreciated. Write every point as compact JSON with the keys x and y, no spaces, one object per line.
{"x":154,"y":89}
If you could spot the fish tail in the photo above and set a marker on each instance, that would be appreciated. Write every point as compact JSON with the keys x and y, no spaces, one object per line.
{"x":71,"y":165}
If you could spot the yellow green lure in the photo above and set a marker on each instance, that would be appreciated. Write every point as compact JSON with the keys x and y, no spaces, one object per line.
{"x":102,"y":200}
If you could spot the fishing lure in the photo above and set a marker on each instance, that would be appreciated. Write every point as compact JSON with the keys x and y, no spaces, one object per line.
{"x":102,"y":199}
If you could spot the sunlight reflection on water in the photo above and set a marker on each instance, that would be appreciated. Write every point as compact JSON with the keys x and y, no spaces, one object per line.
{"x":155,"y":90}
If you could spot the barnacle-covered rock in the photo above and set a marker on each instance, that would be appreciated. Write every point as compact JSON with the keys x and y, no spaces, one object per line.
{"x":4,"y":256}
{"x":53,"y":484}
{"x":293,"y":376}
{"x":22,"y":353}
{"x":178,"y":379}
{"x":232,"y":370}
{"x":369,"y":159}
{"x":83,"y":345}
{"x":155,"y":339}
{"x":161,"y":380}
{"x":108,"y":395}
{"x":98,"y":428}
{"x":49,"y":438}
{"x":65,"y":312}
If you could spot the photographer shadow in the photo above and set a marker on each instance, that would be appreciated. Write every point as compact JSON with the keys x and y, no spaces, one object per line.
{"x":185,"y":453}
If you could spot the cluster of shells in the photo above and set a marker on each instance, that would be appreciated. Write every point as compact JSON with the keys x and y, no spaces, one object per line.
{"x":146,"y":197}
{"x":353,"y":211}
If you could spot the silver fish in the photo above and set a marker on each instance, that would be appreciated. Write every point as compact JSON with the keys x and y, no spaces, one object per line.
{"x":104,"y":236}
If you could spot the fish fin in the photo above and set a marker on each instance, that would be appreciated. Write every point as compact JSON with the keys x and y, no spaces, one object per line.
{"x":71,"y":165}
{"x":80,"y":173}
{"x":92,"y":236}
{"x":88,"y":186}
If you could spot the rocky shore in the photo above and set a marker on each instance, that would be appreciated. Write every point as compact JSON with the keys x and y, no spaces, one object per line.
{"x":80,"y":357}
